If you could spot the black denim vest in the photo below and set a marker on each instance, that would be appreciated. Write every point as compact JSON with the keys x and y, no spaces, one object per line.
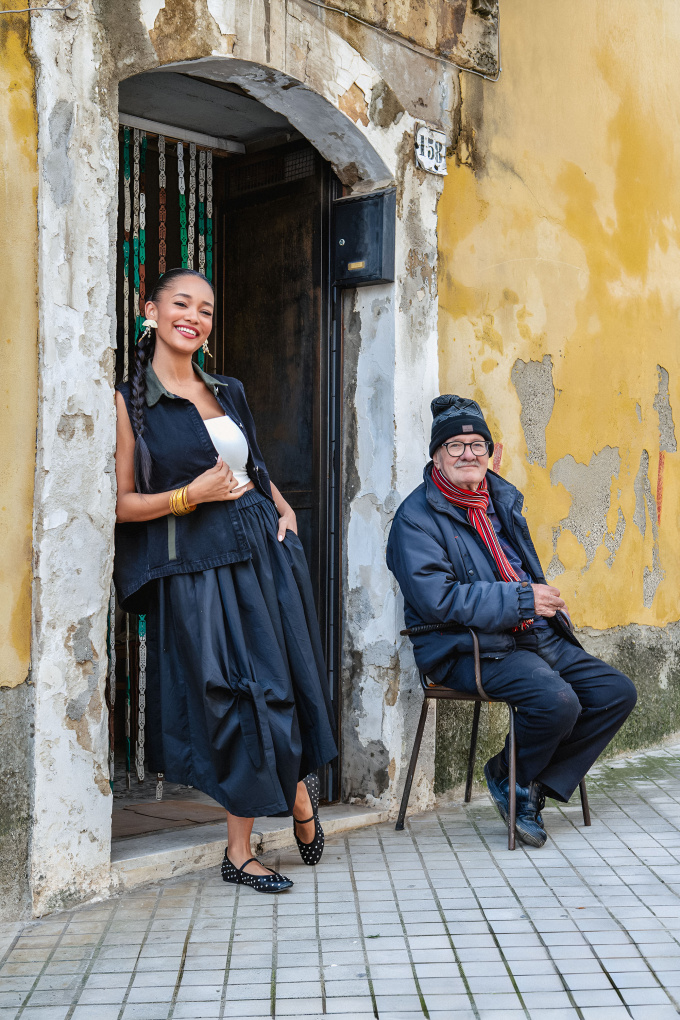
{"x":181,"y":449}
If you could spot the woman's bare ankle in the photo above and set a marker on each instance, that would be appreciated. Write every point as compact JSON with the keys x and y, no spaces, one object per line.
{"x":238,"y":856}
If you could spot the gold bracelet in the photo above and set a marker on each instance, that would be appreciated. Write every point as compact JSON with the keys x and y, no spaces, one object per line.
{"x":173,"y":503}
{"x":188,"y":507}
{"x":179,"y":503}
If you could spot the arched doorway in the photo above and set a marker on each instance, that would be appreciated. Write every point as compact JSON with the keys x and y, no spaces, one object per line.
{"x":357,"y":105}
{"x":213,"y":179}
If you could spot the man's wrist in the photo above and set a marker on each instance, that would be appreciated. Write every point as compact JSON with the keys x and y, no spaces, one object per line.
{"x":525,"y":593}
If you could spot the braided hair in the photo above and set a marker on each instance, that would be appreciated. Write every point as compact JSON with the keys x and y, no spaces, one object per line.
{"x":144,"y":352}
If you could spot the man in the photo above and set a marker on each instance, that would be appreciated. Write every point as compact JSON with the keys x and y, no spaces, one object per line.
{"x":461,"y":552}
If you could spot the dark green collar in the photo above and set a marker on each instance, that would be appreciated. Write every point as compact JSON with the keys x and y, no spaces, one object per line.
{"x":155,"y":388}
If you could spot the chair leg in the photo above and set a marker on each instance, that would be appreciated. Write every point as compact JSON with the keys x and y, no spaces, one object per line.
{"x":473,"y":752}
{"x":512,"y":783}
{"x":412,"y":766}
{"x":584,"y":802}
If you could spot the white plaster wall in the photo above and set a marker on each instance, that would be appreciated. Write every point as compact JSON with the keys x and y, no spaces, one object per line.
{"x":396,"y":378}
{"x":74,"y":500}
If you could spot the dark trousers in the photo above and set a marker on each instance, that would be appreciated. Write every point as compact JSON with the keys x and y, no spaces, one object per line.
{"x":569,"y":705}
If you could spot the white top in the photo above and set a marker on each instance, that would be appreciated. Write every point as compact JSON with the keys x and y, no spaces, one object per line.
{"x":231,"y":445}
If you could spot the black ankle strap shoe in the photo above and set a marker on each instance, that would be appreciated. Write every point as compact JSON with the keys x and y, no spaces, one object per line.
{"x":271,"y":883}
{"x":311,"y":852}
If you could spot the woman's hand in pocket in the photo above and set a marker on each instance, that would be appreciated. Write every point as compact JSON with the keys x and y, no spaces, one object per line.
{"x":287,"y":522}
{"x":213,"y":486}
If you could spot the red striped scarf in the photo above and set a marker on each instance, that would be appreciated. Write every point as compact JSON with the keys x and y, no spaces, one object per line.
{"x":476,"y":504}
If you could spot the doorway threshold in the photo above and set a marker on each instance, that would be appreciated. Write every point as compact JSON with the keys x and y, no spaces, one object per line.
{"x":155,"y":856}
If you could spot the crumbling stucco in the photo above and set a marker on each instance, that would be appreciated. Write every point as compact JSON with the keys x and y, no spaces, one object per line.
{"x":662,"y":406}
{"x":74,"y":502}
{"x":58,"y":167}
{"x":16,"y":798}
{"x":645,"y":506}
{"x":457,"y":30}
{"x":644,"y":501}
{"x":534,"y":384}
{"x":589,"y":486}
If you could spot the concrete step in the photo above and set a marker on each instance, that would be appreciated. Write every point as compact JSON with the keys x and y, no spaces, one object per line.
{"x":141,"y":859}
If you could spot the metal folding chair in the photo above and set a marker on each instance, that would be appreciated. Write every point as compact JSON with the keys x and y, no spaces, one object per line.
{"x":435,"y":692}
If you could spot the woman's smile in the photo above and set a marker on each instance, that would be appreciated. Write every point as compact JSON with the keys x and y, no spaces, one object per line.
{"x":188,"y":331}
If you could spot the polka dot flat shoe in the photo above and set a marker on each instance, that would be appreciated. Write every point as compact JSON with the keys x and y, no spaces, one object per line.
{"x":271,"y":883}
{"x":311,"y":852}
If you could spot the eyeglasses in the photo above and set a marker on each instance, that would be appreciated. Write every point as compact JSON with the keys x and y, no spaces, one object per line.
{"x":456,"y":449}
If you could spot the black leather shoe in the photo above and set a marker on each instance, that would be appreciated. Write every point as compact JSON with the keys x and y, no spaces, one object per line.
{"x":311,"y":852}
{"x":530,"y":803}
{"x":496,"y":776}
{"x":271,"y":883}
{"x":529,"y":823}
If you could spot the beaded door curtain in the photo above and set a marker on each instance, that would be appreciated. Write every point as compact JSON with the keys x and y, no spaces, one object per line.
{"x":165,"y":220}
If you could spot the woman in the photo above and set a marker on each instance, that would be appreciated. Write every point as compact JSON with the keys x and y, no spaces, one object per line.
{"x":207,"y":547}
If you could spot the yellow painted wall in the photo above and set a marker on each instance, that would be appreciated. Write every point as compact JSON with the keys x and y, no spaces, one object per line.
{"x":559,"y":236}
{"x":18,"y":343}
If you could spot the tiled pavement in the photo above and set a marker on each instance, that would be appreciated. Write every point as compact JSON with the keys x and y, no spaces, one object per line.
{"x":439,"y":920}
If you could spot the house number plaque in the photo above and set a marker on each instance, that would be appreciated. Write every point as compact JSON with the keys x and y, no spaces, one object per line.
{"x":431,"y":150}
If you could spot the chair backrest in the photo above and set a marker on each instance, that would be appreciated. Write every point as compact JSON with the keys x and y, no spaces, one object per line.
{"x":481,"y":693}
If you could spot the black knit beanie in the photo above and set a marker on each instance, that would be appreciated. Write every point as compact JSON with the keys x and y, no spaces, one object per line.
{"x":454,"y":416}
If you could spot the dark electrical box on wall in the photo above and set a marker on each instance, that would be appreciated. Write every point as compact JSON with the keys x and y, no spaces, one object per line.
{"x":363,"y":239}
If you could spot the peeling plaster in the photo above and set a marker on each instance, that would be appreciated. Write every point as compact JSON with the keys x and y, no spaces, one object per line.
{"x":614,"y":541}
{"x":645,"y":506}
{"x":58,"y":169}
{"x":74,"y":484}
{"x":644,"y":501}
{"x":149,"y":11}
{"x":536,"y":391}
{"x":662,"y":406}
{"x":590,"y":488}
{"x":385,"y":108}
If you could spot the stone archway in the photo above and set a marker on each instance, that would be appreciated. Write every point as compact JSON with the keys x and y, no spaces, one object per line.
{"x":339,"y":103}
{"x":332,"y":133}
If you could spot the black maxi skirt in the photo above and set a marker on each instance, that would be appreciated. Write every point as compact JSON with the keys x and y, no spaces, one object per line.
{"x":237,"y":694}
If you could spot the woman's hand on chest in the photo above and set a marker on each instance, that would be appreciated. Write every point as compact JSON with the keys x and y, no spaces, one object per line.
{"x":214,"y":485}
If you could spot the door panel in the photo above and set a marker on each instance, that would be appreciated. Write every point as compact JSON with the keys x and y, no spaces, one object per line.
{"x":276,"y":338}
{"x":272,"y":326}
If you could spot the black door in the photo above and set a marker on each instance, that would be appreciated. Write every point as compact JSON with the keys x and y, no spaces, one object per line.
{"x":277,"y":336}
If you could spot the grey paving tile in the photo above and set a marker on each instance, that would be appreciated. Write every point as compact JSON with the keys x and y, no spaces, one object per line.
{"x":144,"y":1011}
{"x":299,"y":1007}
{"x":653,"y":1012}
{"x":95,"y":1012}
{"x":605,"y":1013}
{"x":48,"y":1013}
{"x":93,"y":996}
{"x":351,"y":1005}
{"x":197,"y":1011}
